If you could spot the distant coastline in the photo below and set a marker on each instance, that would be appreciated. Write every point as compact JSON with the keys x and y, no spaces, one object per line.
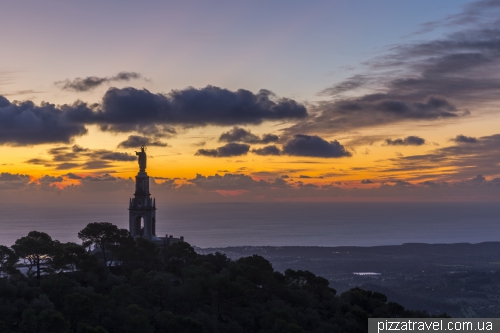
{"x":273,"y":224}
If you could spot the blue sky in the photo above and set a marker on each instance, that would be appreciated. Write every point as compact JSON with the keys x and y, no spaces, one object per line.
{"x":295,"y":48}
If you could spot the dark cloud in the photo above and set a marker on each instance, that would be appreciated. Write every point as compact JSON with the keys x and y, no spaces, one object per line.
{"x":25,"y":123}
{"x":366,"y":181}
{"x":102,"y":185}
{"x":50,"y":179}
{"x":457,"y":161}
{"x":104,"y":178}
{"x":334,"y":174}
{"x":430,"y":184}
{"x":408,"y":141}
{"x":232,"y":182}
{"x":73,"y":156}
{"x":265,"y":174}
{"x":165,"y":178}
{"x":373,"y":110}
{"x":12,"y":181}
{"x":91,"y":82}
{"x":402,"y":183}
{"x":241,"y":187}
{"x":238,"y":134}
{"x":72,"y":176}
{"x":427,"y":81}
{"x":135,"y":141}
{"x":38,"y":161}
{"x":69,"y":157}
{"x":478,"y":179}
{"x":67,"y":154}
{"x":364,"y":140}
{"x":228,"y":150}
{"x":268,"y":138}
{"x":464,"y":139}
{"x":311,"y":186}
{"x":96,"y":165}
{"x":313,"y":146}
{"x":67,"y":166}
{"x":57,"y":150}
{"x":10,"y":177}
{"x":60,"y":156}
{"x":78,"y":149}
{"x":113,"y":156}
{"x":130,"y":109}
{"x":267,"y":150}
{"x":207,"y":152}
{"x":238,"y":187}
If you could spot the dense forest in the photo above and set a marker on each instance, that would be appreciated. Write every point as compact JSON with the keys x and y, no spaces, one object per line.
{"x":114,"y":283}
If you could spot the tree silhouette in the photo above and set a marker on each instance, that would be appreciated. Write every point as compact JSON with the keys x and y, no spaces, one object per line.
{"x":103,"y":236}
{"x":37,"y":249}
{"x":8,"y":259}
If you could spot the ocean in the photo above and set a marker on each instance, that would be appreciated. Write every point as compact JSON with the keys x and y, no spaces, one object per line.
{"x":277,"y":224}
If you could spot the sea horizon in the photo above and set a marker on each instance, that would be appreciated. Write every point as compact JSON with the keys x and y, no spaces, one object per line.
{"x":216,"y":225}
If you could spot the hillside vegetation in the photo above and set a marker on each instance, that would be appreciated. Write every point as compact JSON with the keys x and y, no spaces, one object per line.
{"x":113,"y":283}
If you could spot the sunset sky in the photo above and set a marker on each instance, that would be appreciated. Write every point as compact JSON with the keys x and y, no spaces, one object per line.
{"x":251,"y":100}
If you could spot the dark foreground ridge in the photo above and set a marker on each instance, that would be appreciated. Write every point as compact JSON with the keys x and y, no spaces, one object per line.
{"x":460,"y":279}
{"x":115,"y":283}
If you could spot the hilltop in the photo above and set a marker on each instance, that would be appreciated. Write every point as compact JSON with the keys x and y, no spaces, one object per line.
{"x":148,"y":288}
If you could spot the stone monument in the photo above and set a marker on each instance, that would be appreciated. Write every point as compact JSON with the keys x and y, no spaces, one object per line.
{"x":142,"y":209}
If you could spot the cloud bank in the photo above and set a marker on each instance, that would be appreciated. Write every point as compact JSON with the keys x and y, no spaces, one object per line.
{"x":134,"y":110}
{"x":228,"y":150}
{"x":464,"y":139}
{"x":130,"y":109}
{"x":91,"y":82}
{"x":240,"y":187}
{"x":299,"y":145}
{"x":411,"y":140}
{"x":136,"y":141}
{"x":314,"y":146}
{"x":238,"y":134}
{"x":71,"y":157}
{"x":267,"y":150}
{"x":25,"y":123}
{"x":468,"y":158}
